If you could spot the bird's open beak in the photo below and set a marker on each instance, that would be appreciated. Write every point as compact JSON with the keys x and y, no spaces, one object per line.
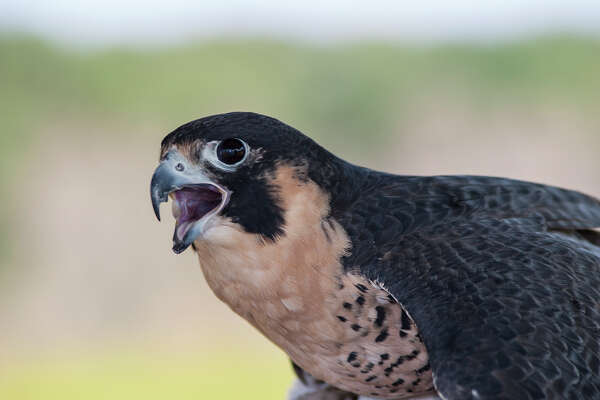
{"x":195,"y":197}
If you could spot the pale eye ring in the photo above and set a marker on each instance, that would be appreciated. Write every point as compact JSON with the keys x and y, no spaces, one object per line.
{"x":227,"y":154}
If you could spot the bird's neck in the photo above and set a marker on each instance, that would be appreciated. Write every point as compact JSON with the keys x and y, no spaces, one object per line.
{"x":267,"y":282}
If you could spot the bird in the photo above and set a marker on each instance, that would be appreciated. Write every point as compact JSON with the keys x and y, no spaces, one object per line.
{"x":387,"y":286}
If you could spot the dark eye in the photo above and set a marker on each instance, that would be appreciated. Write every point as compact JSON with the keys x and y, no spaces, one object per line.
{"x":231,"y":151}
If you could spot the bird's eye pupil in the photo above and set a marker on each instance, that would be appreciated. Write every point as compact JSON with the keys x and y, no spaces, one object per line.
{"x":231,"y":151}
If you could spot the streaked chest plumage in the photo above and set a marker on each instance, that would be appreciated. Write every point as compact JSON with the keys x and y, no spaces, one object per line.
{"x":376,"y":350}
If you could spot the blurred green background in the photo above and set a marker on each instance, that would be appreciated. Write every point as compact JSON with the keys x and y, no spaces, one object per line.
{"x":93,"y":304}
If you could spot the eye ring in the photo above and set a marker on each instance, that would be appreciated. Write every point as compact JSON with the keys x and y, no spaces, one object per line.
{"x":228,"y":154}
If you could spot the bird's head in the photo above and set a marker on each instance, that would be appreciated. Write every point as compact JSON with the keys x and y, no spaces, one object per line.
{"x":226,"y":169}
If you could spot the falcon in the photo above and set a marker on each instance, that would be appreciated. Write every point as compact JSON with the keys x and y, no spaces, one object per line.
{"x":389,"y":286}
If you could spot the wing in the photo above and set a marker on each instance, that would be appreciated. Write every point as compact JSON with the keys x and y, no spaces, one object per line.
{"x":429,"y":200}
{"x":504,"y":289}
{"x":504,"y":311}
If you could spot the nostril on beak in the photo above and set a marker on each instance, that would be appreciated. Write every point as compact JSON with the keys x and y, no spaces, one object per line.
{"x":179,"y":167}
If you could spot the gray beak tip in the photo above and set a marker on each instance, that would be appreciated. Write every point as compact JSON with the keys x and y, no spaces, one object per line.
{"x":179,"y":248}
{"x":155,"y":206}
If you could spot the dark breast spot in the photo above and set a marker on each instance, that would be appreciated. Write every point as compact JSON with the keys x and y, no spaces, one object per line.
{"x":382,"y":336}
{"x":399,"y":361}
{"x":398,"y":382}
{"x":361,"y":287}
{"x":405,"y":319}
{"x":412,"y":355}
{"x":360,"y":300}
{"x":380,"y":315}
{"x":341,"y":318}
{"x":367,"y":368}
{"x":426,"y":367}
{"x":352,"y":356}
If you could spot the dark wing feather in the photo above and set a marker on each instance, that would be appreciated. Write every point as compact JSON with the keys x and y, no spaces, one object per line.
{"x":507,"y":303}
{"x":481,"y":196}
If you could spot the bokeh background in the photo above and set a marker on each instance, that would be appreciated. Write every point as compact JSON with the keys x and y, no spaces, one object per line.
{"x":93,"y":303}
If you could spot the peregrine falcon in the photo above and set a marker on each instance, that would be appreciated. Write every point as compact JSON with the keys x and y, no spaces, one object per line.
{"x":389,"y":286}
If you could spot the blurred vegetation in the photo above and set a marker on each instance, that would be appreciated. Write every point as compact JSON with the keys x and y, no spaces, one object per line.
{"x":150,"y":376}
{"x":352,"y":89}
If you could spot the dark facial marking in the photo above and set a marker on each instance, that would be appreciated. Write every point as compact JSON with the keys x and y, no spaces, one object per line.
{"x":402,"y":333}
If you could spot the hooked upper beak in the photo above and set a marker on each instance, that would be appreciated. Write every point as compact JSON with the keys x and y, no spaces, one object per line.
{"x":196,"y":197}
{"x":163,"y":182}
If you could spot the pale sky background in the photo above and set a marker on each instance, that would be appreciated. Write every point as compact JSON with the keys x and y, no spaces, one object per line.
{"x":148,"y":22}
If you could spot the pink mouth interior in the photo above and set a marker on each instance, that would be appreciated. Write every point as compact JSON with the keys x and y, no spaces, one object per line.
{"x":195,"y":202}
